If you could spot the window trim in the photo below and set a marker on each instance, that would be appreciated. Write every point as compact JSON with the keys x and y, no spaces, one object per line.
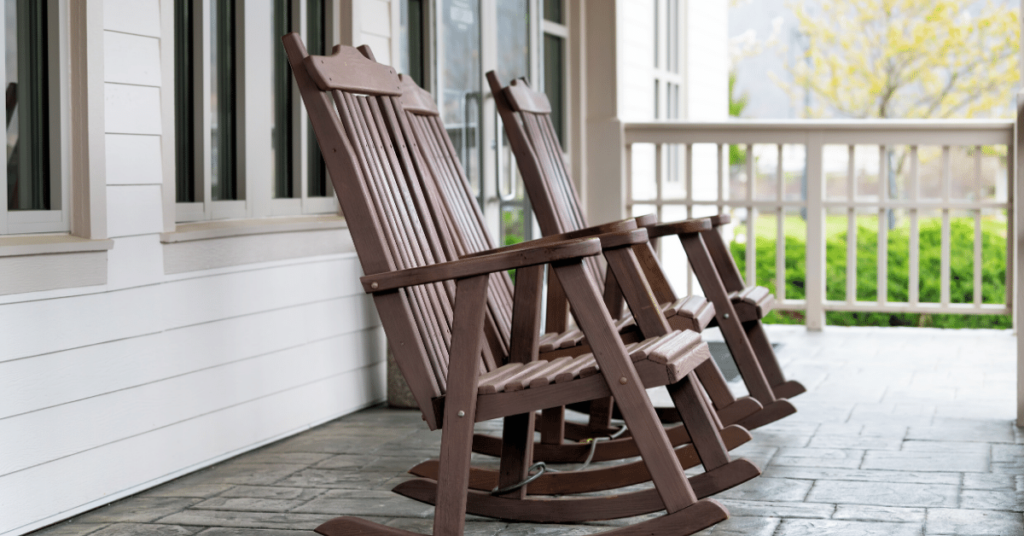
{"x":54,"y":220}
{"x":254,"y":109}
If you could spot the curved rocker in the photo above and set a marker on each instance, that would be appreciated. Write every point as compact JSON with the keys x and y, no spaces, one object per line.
{"x":693,"y":518}
{"x":580,"y":509}
{"x":742,"y":408}
{"x":599,"y":479}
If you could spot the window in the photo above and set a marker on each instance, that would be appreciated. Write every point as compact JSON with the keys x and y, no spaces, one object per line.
{"x":668,"y":77}
{"x":555,"y":34}
{"x":244,"y":146}
{"x":413,"y":47}
{"x":35,"y":197}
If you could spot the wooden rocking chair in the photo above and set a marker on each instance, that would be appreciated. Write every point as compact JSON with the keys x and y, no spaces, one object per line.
{"x":526,"y":115}
{"x":436,"y":330}
{"x":458,"y":217}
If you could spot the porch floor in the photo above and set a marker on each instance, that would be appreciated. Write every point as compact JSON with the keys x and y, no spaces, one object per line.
{"x":903,"y":431}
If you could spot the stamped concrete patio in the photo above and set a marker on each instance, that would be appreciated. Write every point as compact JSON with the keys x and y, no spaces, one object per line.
{"x":903,"y":432}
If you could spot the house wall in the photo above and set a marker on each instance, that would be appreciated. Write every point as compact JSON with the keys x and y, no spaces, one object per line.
{"x":193,"y":350}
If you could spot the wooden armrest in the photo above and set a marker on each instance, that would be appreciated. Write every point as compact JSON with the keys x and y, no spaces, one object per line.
{"x":484,"y":264}
{"x":646,"y":220}
{"x":695,"y":225}
{"x":623,"y":238}
{"x":720,"y":220}
{"x":621,"y":225}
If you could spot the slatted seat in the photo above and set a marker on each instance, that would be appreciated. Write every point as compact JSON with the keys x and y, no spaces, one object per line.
{"x":526,"y":116}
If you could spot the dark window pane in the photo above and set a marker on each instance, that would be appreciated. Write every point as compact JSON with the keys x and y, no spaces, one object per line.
{"x":554,"y":81}
{"x":315,"y":41}
{"x":184,"y":108}
{"x":281,"y":118}
{"x":222,"y":100}
{"x":412,"y":45}
{"x":553,"y":11}
{"x":28,"y":106}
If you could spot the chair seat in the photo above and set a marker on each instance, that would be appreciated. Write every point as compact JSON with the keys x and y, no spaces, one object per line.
{"x":659,"y":360}
{"x":752,"y":303}
{"x":692,"y":312}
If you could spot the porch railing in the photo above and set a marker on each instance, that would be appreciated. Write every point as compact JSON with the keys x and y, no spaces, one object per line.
{"x":980,"y":186}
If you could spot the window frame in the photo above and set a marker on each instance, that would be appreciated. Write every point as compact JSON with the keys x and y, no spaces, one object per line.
{"x":53,"y":220}
{"x":254,"y":108}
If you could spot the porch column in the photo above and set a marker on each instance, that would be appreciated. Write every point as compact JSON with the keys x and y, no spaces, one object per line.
{"x":604,"y":184}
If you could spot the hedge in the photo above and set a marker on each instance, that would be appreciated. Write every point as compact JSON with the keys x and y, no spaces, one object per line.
{"x":961,"y":272}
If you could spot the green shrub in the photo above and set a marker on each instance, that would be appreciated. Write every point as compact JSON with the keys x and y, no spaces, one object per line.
{"x":898,"y":262}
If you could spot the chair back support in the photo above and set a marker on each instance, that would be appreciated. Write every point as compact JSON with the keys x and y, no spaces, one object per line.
{"x":527,"y":117}
{"x":450,"y":200}
{"x":353,"y":106}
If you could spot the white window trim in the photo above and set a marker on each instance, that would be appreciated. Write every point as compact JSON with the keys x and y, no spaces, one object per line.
{"x":54,"y":220}
{"x":254,"y":108}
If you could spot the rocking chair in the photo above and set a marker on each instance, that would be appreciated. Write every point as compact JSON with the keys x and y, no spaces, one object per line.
{"x":436,"y":329}
{"x":526,"y":115}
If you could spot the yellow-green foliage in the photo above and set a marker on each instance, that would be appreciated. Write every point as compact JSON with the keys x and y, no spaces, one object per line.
{"x":907,"y":58}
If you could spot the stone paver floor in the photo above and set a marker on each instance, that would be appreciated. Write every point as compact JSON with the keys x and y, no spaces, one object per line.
{"x":903,"y":431}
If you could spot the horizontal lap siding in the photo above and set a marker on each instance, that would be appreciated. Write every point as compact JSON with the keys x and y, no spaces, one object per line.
{"x":111,"y":389}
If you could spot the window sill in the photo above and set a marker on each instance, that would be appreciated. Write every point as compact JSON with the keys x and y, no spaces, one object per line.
{"x":220,"y":244}
{"x":188,"y":232}
{"x":34,"y":263}
{"x":48,"y":244}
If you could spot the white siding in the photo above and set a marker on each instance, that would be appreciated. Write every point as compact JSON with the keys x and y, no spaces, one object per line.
{"x":110,"y":389}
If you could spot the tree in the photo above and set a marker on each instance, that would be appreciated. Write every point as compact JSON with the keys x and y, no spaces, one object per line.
{"x":737,"y":156}
{"x":907,"y":59}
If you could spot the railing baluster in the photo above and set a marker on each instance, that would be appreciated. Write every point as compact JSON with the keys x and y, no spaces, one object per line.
{"x":851,"y":228}
{"x":751,"y":239}
{"x":780,"y":237}
{"x":915,"y":235}
{"x":977,"y":227}
{"x":689,"y":208}
{"x":721,"y":178}
{"x":883,"y":226}
{"x":659,"y":177}
{"x":946,"y":187}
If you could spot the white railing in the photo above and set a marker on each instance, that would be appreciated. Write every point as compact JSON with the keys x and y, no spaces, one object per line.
{"x":675,"y":148}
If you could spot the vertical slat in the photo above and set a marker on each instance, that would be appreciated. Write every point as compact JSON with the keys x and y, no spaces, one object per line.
{"x":659,"y":177}
{"x":977,"y":227}
{"x":883,"y":226}
{"x":946,"y":182}
{"x":751,"y":239}
{"x":689,"y":208}
{"x":851,"y":228}
{"x":815,"y":319}
{"x":915,"y":234}
{"x":780,"y":236}
{"x":721,"y":178}
{"x":629,"y":178}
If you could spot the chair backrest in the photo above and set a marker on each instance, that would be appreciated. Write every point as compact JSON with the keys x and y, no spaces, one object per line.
{"x":355,"y":110}
{"x":527,"y":117}
{"x":451,"y":202}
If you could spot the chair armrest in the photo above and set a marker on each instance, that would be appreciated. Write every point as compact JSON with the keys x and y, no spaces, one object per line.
{"x":695,"y":225}
{"x":720,"y":220}
{"x":483,"y":264}
{"x":621,"y":225}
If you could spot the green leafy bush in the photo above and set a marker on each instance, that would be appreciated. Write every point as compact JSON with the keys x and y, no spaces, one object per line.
{"x":961,"y":273}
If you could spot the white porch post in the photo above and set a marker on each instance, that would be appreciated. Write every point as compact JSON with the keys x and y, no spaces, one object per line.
{"x":605,"y":187}
{"x":1016,"y":163}
{"x":815,"y":273}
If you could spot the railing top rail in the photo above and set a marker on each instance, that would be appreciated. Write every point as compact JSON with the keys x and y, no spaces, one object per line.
{"x":805,"y":125}
{"x":955,"y":132}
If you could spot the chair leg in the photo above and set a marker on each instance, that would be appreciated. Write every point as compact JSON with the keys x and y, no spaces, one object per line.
{"x":552,"y":426}
{"x":699,"y":422}
{"x":516,"y":453}
{"x":460,"y":406}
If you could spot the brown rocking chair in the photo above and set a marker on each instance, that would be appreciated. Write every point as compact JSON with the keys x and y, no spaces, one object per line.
{"x":526,"y":115}
{"x":460,"y":225}
{"x":436,"y":330}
